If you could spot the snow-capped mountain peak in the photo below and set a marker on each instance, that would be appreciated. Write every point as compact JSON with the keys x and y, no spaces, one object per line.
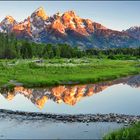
{"x":69,"y":28}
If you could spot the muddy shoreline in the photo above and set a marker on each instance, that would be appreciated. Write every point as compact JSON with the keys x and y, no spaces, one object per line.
{"x":85,"y":118}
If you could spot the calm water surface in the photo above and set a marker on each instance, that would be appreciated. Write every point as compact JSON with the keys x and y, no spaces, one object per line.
{"x":13,"y":129}
{"x":118,"y":96}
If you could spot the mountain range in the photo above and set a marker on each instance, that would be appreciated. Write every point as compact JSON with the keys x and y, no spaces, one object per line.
{"x":71,"y":29}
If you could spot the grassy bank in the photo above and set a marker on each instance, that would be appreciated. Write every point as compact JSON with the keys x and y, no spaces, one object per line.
{"x":58,"y":71}
{"x":129,"y":133}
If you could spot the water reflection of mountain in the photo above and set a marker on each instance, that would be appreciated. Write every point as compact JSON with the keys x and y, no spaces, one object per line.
{"x":134,"y":81}
{"x":67,"y":94}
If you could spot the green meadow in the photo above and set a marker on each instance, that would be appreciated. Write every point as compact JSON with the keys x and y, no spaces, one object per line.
{"x":64,"y":71}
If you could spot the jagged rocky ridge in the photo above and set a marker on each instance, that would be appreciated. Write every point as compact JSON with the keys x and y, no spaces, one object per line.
{"x":134,"y":31}
{"x":68,"y":28}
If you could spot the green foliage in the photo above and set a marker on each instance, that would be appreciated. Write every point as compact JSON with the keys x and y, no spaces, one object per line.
{"x":26,"y":50}
{"x":11,"y":48}
{"x":33,"y":65}
{"x":7,"y":46}
{"x":115,"y":53}
{"x":111,"y":57}
{"x":128,"y":133}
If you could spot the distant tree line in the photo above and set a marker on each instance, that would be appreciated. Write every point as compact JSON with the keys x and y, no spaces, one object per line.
{"x":11,"y":48}
{"x":114,"y":53}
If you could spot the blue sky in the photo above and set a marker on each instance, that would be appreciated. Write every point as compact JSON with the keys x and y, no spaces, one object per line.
{"x":116,"y":15}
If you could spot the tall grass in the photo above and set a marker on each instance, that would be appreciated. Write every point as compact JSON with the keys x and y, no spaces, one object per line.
{"x":129,"y":133}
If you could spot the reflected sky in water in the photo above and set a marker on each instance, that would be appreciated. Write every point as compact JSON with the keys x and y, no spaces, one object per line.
{"x":118,"y":96}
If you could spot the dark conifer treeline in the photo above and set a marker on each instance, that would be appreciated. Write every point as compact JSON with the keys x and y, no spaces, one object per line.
{"x":11,"y":48}
{"x":115,"y":53}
